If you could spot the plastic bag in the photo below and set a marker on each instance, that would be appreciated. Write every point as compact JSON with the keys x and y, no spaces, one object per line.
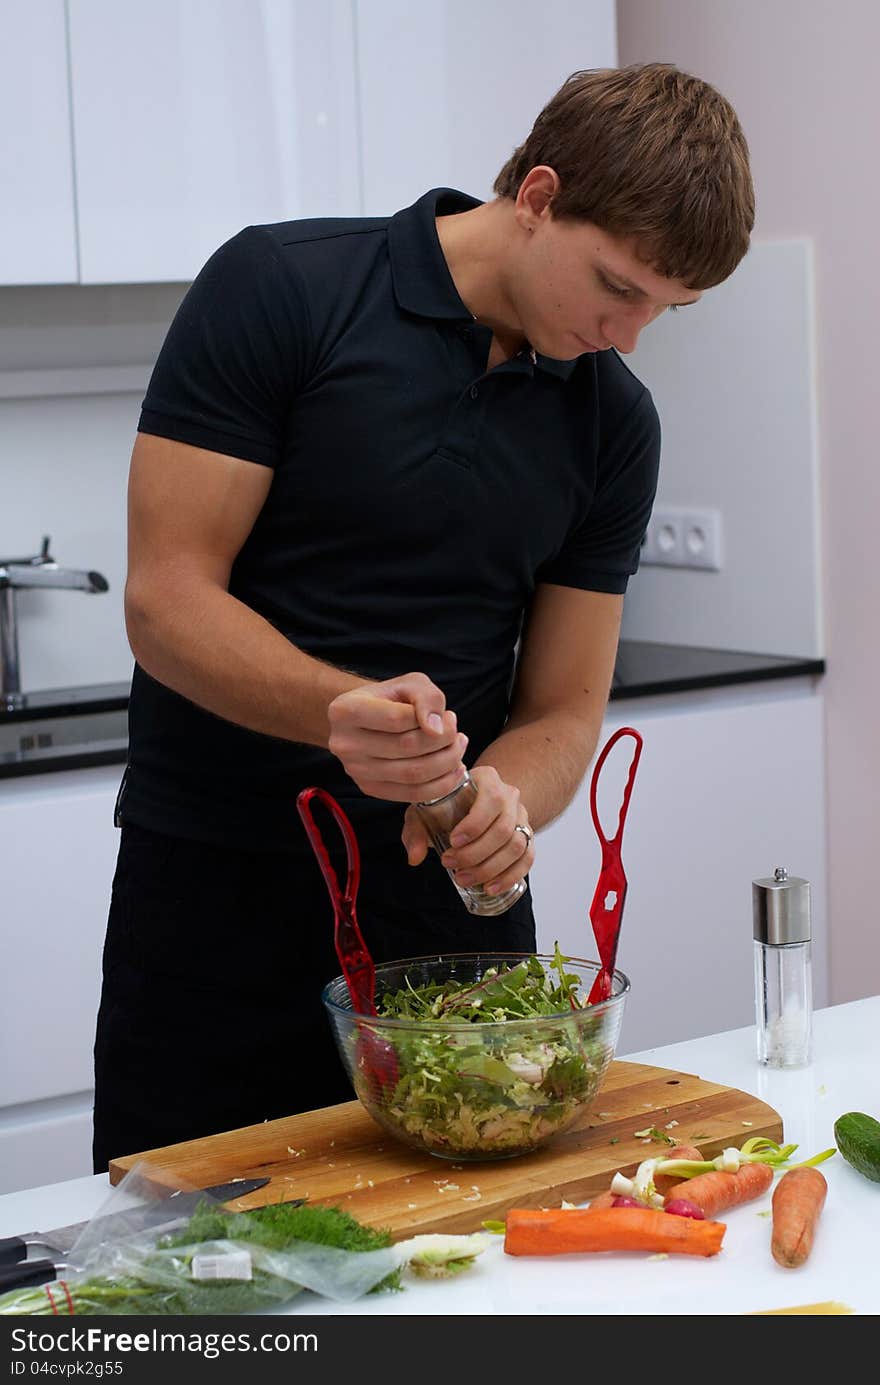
{"x":145,"y":1254}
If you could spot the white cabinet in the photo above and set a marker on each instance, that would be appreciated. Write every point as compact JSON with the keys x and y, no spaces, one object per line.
{"x":447,"y":91}
{"x":195,"y":118}
{"x":58,"y":851}
{"x":730,"y":785}
{"x":37,"y":225}
{"x":185,"y":120}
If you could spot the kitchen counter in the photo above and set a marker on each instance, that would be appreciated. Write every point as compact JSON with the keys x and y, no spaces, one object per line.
{"x":743,"y":1278}
{"x":74,"y":728}
{"x":64,"y":728}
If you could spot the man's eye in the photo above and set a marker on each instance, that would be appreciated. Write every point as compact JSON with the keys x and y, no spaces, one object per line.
{"x":673,"y":307}
{"x":613,"y":288}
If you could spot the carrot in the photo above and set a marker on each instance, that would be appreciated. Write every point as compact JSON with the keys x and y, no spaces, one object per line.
{"x":797,"y":1203}
{"x":561,"y":1231}
{"x":718,"y":1191}
{"x":663,"y":1182}
{"x":602,"y":1201}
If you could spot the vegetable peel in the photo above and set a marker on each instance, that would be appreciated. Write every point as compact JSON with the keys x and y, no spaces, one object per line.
{"x":441,"y":1257}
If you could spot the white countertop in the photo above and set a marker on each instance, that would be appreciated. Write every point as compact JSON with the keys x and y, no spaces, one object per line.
{"x":743,"y":1278}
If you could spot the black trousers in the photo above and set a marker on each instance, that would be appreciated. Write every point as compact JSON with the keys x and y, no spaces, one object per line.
{"x":214,"y":961}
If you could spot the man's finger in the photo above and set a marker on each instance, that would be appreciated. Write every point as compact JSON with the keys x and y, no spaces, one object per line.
{"x":503,"y":868}
{"x":409,"y":769}
{"x":395,"y":792}
{"x":415,"y":839}
{"x":426,"y":699}
{"x":371,"y":712}
{"x":364,"y":745}
{"x":376,"y":713}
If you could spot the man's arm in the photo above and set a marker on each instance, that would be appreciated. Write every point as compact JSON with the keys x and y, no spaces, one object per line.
{"x":563,"y":680}
{"x":529,"y":773}
{"x":189,"y":512}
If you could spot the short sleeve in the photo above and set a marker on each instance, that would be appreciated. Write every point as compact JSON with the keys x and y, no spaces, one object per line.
{"x":235,"y":355}
{"x":602,"y":551}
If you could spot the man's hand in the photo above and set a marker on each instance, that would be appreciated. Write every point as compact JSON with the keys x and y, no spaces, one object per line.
{"x":397,"y":740}
{"x":486,"y":849}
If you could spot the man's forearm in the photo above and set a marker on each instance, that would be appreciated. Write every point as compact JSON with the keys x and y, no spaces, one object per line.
{"x":217,"y":652}
{"x":546,"y":759}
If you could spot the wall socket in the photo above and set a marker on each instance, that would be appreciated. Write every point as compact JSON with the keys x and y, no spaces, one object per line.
{"x":679,"y":537}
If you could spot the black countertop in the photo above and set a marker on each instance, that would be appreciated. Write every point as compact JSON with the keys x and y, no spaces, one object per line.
{"x":644,"y":670}
{"x":75,"y":728}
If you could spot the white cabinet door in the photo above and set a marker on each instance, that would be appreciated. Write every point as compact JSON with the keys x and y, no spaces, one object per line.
{"x":57,"y":856}
{"x":449,"y":90}
{"x":46,"y":1148}
{"x":37,"y":224}
{"x":195,"y":118}
{"x":727,"y":788}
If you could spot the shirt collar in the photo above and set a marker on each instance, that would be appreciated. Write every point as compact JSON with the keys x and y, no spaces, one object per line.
{"x":420,"y":274}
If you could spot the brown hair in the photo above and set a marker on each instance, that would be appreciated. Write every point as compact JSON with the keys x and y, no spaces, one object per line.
{"x":651,"y":154}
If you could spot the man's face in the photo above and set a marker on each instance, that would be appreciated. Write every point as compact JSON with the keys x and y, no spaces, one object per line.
{"x":578,"y":289}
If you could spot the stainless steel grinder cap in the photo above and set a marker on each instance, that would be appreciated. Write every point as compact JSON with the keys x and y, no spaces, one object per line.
{"x":781,"y":909}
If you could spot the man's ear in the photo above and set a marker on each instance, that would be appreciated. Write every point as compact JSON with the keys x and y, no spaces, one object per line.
{"x":535,"y":196}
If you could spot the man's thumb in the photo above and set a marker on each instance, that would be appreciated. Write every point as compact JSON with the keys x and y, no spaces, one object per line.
{"x":415,"y":842}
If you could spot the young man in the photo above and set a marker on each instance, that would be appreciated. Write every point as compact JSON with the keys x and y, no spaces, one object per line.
{"x":375,"y":458}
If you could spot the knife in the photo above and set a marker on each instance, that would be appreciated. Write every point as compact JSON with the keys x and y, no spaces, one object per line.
{"x":179,"y":1204}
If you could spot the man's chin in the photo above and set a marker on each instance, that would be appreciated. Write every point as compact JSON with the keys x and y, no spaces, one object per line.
{"x":566,"y":349}
{"x":570,"y":348}
{"x":569,"y":354}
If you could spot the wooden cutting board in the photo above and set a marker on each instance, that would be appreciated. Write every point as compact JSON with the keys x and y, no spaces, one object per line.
{"x":339,"y":1155}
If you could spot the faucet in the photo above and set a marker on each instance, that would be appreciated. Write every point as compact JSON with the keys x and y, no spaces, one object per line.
{"x":40,"y":570}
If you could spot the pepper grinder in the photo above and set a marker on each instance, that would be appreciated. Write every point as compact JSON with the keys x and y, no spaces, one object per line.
{"x":441,"y":816}
{"x":783,"y":970}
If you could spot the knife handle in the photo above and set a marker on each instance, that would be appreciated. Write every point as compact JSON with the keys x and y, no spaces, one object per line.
{"x":12,"y":1249}
{"x":28,"y":1272}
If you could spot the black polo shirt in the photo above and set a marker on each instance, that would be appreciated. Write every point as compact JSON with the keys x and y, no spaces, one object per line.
{"x":417,"y":497}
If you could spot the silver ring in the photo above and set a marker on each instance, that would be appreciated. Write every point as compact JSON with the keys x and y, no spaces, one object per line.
{"x":527,"y":833}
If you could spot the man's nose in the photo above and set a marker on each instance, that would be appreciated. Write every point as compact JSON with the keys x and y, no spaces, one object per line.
{"x":623,"y":329}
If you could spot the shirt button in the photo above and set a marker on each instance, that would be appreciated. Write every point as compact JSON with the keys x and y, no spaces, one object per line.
{"x":474,"y":391}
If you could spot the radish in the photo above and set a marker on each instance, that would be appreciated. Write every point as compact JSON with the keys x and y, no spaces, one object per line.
{"x":621,"y":1201}
{"x":680,"y":1207}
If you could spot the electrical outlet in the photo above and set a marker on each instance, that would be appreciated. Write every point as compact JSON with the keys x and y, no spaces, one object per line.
{"x":683,"y":537}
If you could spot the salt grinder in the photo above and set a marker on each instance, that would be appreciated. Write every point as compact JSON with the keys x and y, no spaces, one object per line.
{"x":783,"y":969}
{"x":441,"y":816}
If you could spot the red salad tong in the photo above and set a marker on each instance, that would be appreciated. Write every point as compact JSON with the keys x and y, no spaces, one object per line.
{"x":606,"y":910}
{"x":353,"y":953}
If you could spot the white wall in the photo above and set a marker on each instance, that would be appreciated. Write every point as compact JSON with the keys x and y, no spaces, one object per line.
{"x":802,"y":76}
{"x":74,"y":363}
{"x":733,"y":381}
{"x":448,"y":90}
{"x":72,"y":487}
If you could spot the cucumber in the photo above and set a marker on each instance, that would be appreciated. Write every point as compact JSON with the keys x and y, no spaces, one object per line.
{"x":858,"y":1138}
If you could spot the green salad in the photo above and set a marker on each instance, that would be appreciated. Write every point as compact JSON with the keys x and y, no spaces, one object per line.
{"x":494,"y":1067}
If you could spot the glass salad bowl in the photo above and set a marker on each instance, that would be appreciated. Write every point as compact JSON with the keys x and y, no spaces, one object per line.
{"x":475,"y":1056}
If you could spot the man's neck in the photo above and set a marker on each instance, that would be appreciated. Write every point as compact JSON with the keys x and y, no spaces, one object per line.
{"x":476,"y":245}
